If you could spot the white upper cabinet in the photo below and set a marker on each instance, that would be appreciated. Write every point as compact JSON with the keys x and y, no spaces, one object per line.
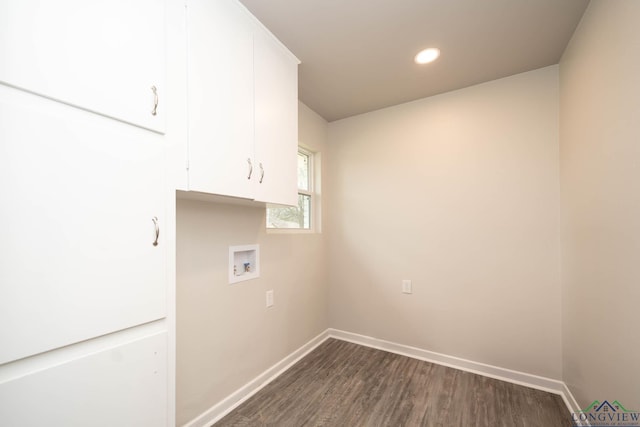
{"x":220,"y":97}
{"x":243,"y":111}
{"x":81,"y":197}
{"x":105,"y":56}
{"x":276,"y":121}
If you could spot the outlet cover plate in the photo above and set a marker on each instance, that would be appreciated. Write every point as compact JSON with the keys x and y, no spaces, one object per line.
{"x":406,"y":287}
{"x":270,"y":298}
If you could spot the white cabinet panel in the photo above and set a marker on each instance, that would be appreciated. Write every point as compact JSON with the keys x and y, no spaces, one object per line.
{"x":103,"y":56}
{"x":220,"y":57}
{"x":276,"y":121}
{"x":121,"y":386}
{"x":78,"y":194}
{"x":243,"y":107}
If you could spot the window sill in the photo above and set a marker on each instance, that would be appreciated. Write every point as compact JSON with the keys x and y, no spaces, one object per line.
{"x":291,"y":231}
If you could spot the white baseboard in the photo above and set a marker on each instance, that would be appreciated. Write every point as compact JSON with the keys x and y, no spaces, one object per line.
{"x":502,"y":374}
{"x":571,"y":402}
{"x":234,"y":400}
{"x":228,"y":404}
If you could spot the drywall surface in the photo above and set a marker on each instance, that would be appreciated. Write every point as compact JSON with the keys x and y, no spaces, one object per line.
{"x":600,"y":172}
{"x":225,"y":334}
{"x":458,"y":193}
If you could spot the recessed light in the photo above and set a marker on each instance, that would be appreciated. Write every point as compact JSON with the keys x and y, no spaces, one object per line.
{"x":427,"y":55}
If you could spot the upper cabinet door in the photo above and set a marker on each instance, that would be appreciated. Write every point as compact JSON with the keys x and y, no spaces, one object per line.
{"x":105,"y":56}
{"x":276,"y":120}
{"x":220,"y":75}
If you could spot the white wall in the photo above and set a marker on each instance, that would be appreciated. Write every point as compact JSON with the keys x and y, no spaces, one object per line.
{"x":459,"y":193}
{"x":600,"y":164}
{"x":225,"y":334}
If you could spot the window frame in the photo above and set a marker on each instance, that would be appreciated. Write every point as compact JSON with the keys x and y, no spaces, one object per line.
{"x":312,"y":193}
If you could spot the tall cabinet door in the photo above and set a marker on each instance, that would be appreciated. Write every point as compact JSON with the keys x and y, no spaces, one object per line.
{"x":103,"y":56}
{"x":81,"y":197}
{"x":276,"y":114}
{"x":123,"y":386}
{"x":220,"y":75}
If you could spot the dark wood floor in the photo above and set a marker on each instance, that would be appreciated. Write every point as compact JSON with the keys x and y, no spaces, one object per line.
{"x":344,"y":384}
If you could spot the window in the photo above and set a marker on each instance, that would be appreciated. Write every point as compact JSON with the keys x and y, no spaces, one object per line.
{"x":301,"y":217}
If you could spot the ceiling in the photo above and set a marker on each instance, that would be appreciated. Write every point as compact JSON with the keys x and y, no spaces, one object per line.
{"x":357,"y":55}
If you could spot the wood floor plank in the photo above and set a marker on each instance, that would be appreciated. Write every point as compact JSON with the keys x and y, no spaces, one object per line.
{"x":345,"y":384}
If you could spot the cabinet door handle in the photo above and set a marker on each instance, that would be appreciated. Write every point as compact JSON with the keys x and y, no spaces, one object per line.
{"x":157,"y":227}
{"x":250,"y":168}
{"x":261,"y":173}
{"x":155,"y":101}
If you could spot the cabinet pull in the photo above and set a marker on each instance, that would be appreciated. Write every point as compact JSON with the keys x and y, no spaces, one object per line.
{"x":157,"y":227}
{"x":155,"y":101}
{"x":250,"y":168}
{"x":261,"y":173}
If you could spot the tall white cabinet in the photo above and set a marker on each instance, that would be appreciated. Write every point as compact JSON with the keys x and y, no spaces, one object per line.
{"x":83,"y":283}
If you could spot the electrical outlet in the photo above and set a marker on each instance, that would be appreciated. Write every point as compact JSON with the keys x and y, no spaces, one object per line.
{"x":270,"y":298}
{"x":406,"y":286}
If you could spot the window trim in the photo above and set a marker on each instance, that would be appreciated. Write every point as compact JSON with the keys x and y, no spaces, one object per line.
{"x":314,"y":212}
